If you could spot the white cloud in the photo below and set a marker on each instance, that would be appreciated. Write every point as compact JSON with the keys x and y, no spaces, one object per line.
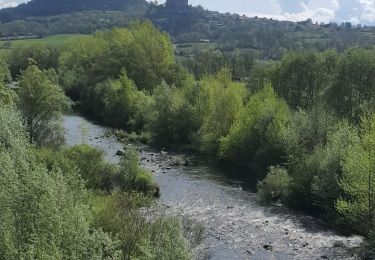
{"x":318,"y":13}
{"x":5,"y":3}
{"x":327,"y":4}
{"x":368,"y":14}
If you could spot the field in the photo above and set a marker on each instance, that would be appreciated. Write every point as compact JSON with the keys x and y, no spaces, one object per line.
{"x":186,"y":49}
{"x":56,"y":40}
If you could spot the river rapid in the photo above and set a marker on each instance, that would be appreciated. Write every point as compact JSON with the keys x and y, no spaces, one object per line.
{"x":237,"y":225}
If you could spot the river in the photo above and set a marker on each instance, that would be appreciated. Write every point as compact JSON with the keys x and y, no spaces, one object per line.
{"x":237,"y":225}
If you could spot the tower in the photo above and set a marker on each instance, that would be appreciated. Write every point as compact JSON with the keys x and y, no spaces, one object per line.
{"x":177,"y":4}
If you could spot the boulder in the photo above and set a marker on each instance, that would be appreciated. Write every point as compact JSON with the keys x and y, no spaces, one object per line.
{"x":268,"y":247}
{"x":120,"y":153}
{"x":338,"y":244}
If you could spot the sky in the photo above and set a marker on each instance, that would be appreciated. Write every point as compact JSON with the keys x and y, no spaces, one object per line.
{"x":355,"y":11}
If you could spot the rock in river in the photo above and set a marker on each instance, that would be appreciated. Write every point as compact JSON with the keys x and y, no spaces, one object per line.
{"x":268,"y":247}
{"x":120,"y":153}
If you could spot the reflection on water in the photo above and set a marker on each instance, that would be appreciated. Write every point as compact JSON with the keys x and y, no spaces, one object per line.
{"x":238,"y":227}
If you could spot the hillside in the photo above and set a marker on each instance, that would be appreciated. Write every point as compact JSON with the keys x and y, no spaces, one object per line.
{"x":44,"y":8}
{"x":228,"y":33}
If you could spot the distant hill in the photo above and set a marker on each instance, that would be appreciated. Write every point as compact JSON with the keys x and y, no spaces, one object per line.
{"x":44,"y":8}
{"x":193,"y":29}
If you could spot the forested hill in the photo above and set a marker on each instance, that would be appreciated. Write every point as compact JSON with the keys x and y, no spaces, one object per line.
{"x":216,"y":32}
{"x":43,"y":8}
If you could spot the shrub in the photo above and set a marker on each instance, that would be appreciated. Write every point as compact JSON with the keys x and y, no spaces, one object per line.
{"x":165,"y":240}
{"x":43,"y":214}
{"x":276,"y":185}
{"x":357,"y":206}
{"x":172,"y":120}
{"x":256,"y":138}
{"x":84,"y":160}
{"x":119,"y":215}
{"x":132,"y":177}
{"x":219,"y":104}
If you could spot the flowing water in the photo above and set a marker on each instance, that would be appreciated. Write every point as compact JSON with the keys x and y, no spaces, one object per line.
{"x":237,"y":226}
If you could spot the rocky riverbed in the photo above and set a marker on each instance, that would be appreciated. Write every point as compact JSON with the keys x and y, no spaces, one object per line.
{"x":237,"y":225}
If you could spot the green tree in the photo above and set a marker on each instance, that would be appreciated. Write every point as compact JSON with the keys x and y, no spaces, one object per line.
{"x":219,"y":104}
{"x":7,"y":96}
{"x":354,"y":85}
{"x":82,"y":63}
{"x":124,"y":105}
{"x":302,"y":78}
{"x":146,"y":54}
{"x":151,"y":55}
{"x":256,"y":137}
{"x":172,"y":120}
{"x":357,"y":205}
{"x":41,"y":101}
{"x":43,"y":215}
{"x":327,"y":170}
{"x":46,"y":57}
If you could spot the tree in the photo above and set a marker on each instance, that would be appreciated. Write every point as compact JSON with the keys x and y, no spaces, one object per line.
{"x":151,"y":54}
{"x":45,"y":56}
{"x":219,"y":104}
{"x":42,"y":214}
{"x":256,"y":137}
{"x":145,"y":53}
{"x":83,"y":63}
{"x":302,"y":78}
{"x":7,"y":96}
{"x":124,"y":106}
{"x":355,"y":84}
{"x":41,"y":101}
{"x":357,"y":205}
{"x":172,"y":120}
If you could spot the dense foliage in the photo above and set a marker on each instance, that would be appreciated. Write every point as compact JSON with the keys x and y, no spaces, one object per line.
{"x":303,"y":126}
{"x":42,"y":101}
{"x":70,"y":203}
{"x":43,"y":215}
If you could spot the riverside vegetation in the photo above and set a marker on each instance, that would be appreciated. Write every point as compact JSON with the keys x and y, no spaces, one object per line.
{"x":305,"y":126}
{"x":69,"y":203}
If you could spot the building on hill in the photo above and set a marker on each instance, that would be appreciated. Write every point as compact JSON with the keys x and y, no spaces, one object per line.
{"x":177,"y":4}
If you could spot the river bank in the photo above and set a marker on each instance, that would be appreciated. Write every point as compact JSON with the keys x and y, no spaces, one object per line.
{"x":237,"y":225}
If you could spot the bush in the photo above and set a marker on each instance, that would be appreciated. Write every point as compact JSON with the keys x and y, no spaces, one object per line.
{"x":132,"y":177}
{"x":165,"y":240}
{"x":46,"y":57}
{"x":276,"y":185}
{"x":172,"y":121}
{"x":84,"y":160}
{"x":357,"y":206}
{"x":219,"y":104}
{"x":43,"y":214}
{"x":141,"y":234}
{"x":326,"y":183}
{"x":256,"y":138}
{"x":312,"y":142}
{"x":119,"y":103}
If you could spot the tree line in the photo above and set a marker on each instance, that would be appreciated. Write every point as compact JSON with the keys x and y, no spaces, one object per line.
{"x":266,"y":38}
